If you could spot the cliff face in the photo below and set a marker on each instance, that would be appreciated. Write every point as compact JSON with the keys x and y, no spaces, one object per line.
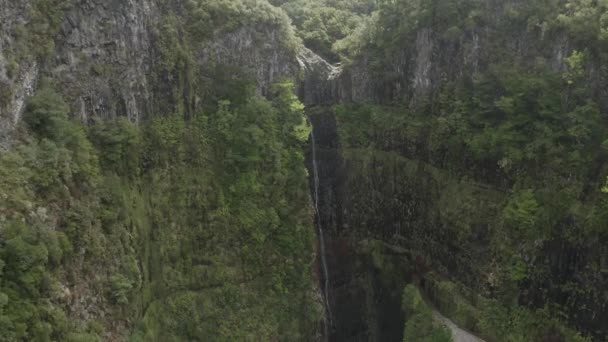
{"x":398,"y":198}
{"x":14,"y":88}
{"x":424,"y":60}
{"x":318,"y":86}
{"x":104,"y":56}
{"x":401,"y":170}
{"x":155,"y":74}
{"x":109,"y":59}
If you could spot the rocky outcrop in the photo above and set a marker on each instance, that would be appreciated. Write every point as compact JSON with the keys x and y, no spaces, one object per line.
{"x":432,"y":57}
{"x":15,"y":86}
{"x":107,"y":61}
{"x":258,"y":53}
{"x":104,"y":56}
{"x":318,"y":86}
{"x":399,"y":196}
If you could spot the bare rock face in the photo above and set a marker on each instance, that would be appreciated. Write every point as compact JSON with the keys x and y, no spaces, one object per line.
{"x":15,"y":86}
{"x":105,"y":63}
{"x":420,"y":65}
{"x":260,"y":53}
{"x":103,"y":58}
{"x":94,"y":37}
{"x":107,"y":56}
{"x":318,"y":86}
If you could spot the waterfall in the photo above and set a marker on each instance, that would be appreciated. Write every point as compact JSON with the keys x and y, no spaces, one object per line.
{"x":315,"y":170}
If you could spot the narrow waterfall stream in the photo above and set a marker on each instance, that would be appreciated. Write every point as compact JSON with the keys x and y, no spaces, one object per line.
{"x":315,"y":169}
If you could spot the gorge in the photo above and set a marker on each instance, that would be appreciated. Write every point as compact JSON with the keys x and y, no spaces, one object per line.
{"x":290,"y":170}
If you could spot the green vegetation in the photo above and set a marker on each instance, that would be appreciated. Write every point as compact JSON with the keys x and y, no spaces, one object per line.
{"x":196,"y":224}
{"x":205,"y":219}
{"x":36,"y":37}
{"x":202,"y":215}
{"x":206,"y":16}
{"x":495,"y":320}
{"x":586,"y":20}
{"x":188,"y":26}
{"x":322,"y":24}
{"x":420,"y":324}
{"x":241,"y":173}
{"x":44,"y":182}
{"x":501,"y":226}
{"x":505,"y":166}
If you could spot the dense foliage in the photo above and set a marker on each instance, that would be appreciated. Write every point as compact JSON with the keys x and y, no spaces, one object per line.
{"x":196,"y":223}
{"x":239,"y":245}
{"x":495,"y":176}
{"x":204,"y":220}
{"x":190,"y":226}
{"x":322,"y":24}
{"x":420,"y":324}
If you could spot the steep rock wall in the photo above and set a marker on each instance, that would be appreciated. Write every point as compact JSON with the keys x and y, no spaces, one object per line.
{"x":14,"y":86}
{"x":123,"y":59}
{"x":420,"y":65}
{"x":104,"y":56}
{"x":107,"y":61}
{"x":443,"y":207}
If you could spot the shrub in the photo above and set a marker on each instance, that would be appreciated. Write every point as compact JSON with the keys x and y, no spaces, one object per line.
{"x":120,"y":288}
